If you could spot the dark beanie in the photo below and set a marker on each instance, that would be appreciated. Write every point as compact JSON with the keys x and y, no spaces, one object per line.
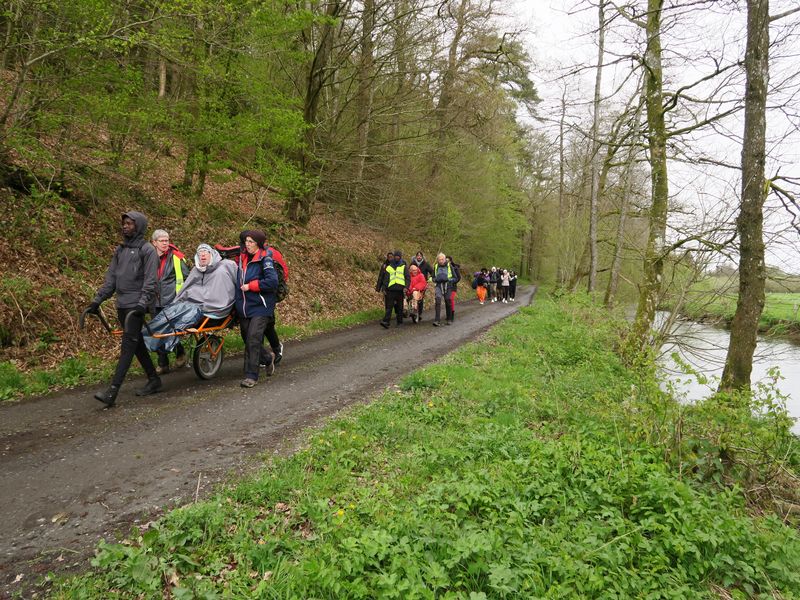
{"x":397,"y":253}
{"x":259,"y":237}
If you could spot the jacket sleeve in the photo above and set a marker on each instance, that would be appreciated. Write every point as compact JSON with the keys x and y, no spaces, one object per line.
{"x":408,"y":278}
{"x":150,"y":270}
{"x":268,"y":280}
{"x":379,"y":284}
{"x":110,"y":282}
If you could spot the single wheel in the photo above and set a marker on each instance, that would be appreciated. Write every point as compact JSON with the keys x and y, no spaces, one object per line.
{"x":207,"y":356}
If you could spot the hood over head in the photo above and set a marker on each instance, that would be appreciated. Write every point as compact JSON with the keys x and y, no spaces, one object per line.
{"x":141,"y":224}
{"x":215,"y":258}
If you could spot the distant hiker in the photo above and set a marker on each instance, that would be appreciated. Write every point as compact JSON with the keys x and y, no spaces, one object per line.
{"x":445,"y":277}
{"x":398,"y":280}
{"x":427,"y":272}
{"x":416,"y":292}
{"x":132,"y":277}
{"x":257,"y":283}
{"x":209,"y":291}
{"x":494,"y":279}
{"x":456,"y":268}
{"x":480,"y":283}
{"x":172,"y":271}
{"x":512,"y":286}
{"x":504,"y":284}
{"x":424,"y":267}
{"x":383,"y":277}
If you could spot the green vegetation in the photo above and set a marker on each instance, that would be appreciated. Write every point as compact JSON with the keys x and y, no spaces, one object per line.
{"x":87,"y":369}
{"x":529,"y":464}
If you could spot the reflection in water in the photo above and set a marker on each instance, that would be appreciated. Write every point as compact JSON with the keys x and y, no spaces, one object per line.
{"x":704,"y":348}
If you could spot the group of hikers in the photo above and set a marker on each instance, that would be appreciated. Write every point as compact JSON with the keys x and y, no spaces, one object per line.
{"x":404,"y":286}
{"x":153,"y":277}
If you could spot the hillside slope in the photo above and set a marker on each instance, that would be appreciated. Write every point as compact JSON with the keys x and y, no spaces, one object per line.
{"x":55,"y":248}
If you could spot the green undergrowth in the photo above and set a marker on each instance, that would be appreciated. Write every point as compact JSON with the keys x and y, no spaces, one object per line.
{"x":86,"y":369}
{"x":530,"y":464}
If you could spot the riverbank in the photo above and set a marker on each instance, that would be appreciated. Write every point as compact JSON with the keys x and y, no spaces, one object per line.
{"x":779,"y":318}
{"x":530,"y":463}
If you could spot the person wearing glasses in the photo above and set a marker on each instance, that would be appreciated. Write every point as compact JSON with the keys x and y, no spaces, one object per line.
{"x":172,"y":272}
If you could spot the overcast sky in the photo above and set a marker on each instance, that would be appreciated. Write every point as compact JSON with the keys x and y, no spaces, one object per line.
{"x":561,"y":37}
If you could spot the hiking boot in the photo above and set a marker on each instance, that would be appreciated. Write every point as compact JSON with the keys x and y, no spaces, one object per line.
{"x":248,"y":382}
{"x":152,"y":386}
{"x":180,"y":361}
{"x":384,"y":324}
{"x":436,"y":323}
{"x":278,"y":354}
{"x":448,"y":322}
{"x":164,"y":370}
{"x":413,"y":318}
{"x":109,"y":396}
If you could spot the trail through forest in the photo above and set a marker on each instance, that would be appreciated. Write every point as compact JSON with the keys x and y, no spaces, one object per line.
{"x":73,"y":473}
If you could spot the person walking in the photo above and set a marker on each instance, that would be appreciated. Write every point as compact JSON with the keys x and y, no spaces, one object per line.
{"x":383,"y":278}
{"x":398,"y":280}
{"x":512,"y":286}
{"x":504,"y":284}
{"x":132,"y":277}
{"x":172,"y":272}
{"x":257,"y":283}
{"x":481,"y":284}
{"x":417,"y":292}
{"x":427,"y":272}
{"x":282,"y":270}
{"x":494,"y":279}
{"x":445,"y":279}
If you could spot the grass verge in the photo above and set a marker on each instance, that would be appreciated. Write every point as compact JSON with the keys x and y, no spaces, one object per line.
{"x":530,"y":464}
{"x":86,"y":369}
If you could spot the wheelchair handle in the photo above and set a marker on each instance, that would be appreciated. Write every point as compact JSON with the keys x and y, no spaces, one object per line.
{"x":98,"y":314}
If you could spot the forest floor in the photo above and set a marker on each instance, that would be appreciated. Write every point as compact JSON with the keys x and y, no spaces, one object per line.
{"x":74,"y":473}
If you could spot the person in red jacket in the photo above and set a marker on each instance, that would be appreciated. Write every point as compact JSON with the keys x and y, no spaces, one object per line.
{"x":416,"y":291}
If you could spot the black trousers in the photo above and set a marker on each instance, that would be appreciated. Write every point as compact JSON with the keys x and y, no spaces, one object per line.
{"x":132,"y":345}
{"x":272,"y":336}
{"x":252,"y":330}
{"x":163,"y":355}
{"x":512,"y":290}
{"x":393,"y":300}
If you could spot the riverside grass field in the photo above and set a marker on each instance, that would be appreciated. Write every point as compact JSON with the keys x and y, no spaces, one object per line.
{"x":529,"y":464}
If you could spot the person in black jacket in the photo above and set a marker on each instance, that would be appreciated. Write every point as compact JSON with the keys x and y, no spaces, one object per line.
{"x":398,"y":279}
{"x":132,"y":277}
{"x":380,"y":286}
{"x":427,"y":271}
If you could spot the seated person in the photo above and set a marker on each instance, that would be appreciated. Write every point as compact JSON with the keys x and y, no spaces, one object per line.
{"x":209,"y":291}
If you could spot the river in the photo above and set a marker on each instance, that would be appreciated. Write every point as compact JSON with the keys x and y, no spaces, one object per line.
{"x":704,"y":347}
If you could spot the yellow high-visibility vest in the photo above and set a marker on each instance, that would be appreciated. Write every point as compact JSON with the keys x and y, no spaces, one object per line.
{"x":176,"y":262}
{"x":397,"y":275}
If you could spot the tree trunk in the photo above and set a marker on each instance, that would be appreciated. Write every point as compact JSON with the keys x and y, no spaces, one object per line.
{"x":616,"y":262}
{"x":749,"y":223}
{"x":595,"y":193}
{"x":653,"y":264}
{"x":162,"y":78}
{"x":365,"y":89}
{"x":560,"y":268}
{"x":299,"y":204}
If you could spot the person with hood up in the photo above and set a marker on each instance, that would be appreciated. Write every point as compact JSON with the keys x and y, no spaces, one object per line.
{"x":446,"y":278}
{"x":398,"y":279}
{"x":416,"y":292}
{"x":209,"y":291}
{"x":132,"y":277}
{"x":172,"y":271}
{"x":256,"y":284}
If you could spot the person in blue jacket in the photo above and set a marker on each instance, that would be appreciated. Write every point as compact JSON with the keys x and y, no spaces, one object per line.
{"x":256,"y":284}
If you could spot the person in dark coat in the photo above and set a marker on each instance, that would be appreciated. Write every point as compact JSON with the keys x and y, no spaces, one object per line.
{"x":172,"y":272}
{"x":257,"y":283}
{"x":398,"y":279}
{"x":446,"y":277}
{"x":132,"y":277}
{"x":427,"y":272}
{"x":383,"y":278}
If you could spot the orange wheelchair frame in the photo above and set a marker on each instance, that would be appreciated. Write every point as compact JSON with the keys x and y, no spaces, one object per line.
{"x":207,"y":354}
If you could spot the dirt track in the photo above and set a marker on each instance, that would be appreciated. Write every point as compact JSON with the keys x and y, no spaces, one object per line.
{"x":72,"y":473}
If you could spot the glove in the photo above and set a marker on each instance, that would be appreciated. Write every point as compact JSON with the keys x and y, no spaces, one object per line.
{"x":93,"y":308}
{"x":139,"y":310}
